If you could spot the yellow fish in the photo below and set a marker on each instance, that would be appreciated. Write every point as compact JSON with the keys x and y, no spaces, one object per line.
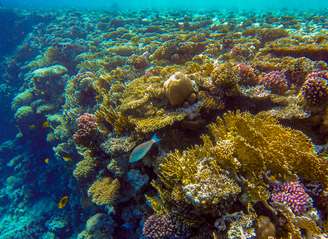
{"x":46,"y":124}
{"x":67,"y":158}
{"x":32,"y":126}
{"x":62,"y":202}
{"x":46,"y":160}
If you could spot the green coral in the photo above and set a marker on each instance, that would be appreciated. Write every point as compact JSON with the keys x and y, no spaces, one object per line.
{"x":23,"y":113}
{"x":22,"y":98}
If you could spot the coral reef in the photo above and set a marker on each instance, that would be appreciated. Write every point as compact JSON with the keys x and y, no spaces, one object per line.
{"x":237,"y":98}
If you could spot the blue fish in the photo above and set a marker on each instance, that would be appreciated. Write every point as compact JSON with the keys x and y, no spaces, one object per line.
{"x":142,"y":149}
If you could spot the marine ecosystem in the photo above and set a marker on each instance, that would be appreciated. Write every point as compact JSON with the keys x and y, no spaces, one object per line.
{"x":163,"y":119}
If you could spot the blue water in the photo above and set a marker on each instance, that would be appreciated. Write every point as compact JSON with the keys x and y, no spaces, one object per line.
{"x":169,"y":4}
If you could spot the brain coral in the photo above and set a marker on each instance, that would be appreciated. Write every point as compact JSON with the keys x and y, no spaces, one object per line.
{"x":178,"y":88}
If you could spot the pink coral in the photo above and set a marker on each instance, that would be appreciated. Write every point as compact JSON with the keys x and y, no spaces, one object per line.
{"x":315,"y":88}
{"x":292,"y":194}
{"x":164,"y":226}
{"x":86,"y":129}
{"x":275,"y":81}
{"x":247,"y":74}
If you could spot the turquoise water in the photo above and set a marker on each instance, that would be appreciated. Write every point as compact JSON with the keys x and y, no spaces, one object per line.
{"x":169,"y":4}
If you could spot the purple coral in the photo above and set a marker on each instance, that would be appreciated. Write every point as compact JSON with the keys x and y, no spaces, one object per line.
{"x":315,"y":88}
{"x":292,"y":194}
{"x":86,"y":129}
{"x":164,"y":226}
{"x":275,"y":81}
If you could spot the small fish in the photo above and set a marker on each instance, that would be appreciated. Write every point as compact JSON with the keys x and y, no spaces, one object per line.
{"x":142,"y":149}
{"x":62,"y":202}
{"x":67,"y":158}
{"x":32,"y":126}
{"x":46,"y":160}
{"x":46,"y":124}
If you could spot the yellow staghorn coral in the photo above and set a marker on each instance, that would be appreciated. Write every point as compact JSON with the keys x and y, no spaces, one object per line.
{"x":261,"y":144}
{"x":201,"y":179}
{"x":108,"y":116}
{"x":104,"y":191}
{"x":239,"y":151}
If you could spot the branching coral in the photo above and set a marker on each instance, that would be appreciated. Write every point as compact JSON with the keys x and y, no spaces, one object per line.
{"x":85,"y":168}
{"x":275,"y":81}
{"x":292,"y":194}
{"x":315,"y":88}
{"x":164,"y":226}
{"x":248,"y":146}
{"x":225,"y":77}
{"x":87,"y":130}
{"x":104,"y":191}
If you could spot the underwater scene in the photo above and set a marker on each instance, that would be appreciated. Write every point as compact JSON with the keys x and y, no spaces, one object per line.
{"x":163,"y":119}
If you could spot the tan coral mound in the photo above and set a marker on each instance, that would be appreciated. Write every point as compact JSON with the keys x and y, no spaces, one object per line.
{"x":178,"y":88}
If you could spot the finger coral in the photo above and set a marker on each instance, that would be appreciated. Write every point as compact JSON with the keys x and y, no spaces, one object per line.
{"x":84,"y":169}
{"x":226,"y":78}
